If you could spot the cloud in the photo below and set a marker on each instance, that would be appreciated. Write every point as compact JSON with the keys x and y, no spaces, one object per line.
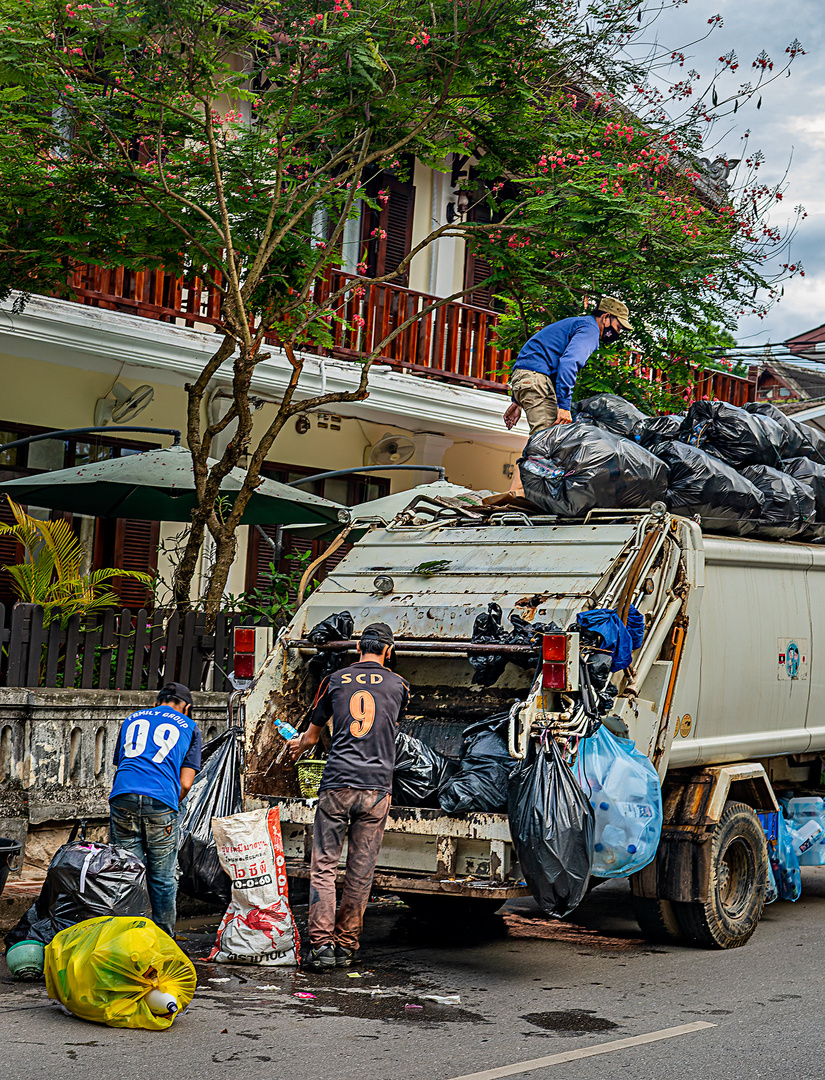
{"x":790,"y":125}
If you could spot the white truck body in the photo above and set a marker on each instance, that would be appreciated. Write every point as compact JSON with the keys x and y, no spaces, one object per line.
{"x":725,"y":677}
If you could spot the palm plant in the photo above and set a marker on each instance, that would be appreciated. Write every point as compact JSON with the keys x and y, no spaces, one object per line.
{"x":50,"y":575}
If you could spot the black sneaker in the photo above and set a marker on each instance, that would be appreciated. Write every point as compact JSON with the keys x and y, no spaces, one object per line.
{"x":322,"y":958}
{"x":344,"y":957}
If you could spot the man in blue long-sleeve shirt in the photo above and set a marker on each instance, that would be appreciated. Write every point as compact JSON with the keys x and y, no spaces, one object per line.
{"x":548,"y":365}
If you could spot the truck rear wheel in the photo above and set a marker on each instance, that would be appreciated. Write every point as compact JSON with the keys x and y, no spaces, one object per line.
{"x":737,"y":883}
{"x":657,"y":920}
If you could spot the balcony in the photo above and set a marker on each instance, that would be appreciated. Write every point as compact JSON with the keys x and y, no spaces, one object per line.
{"x":454,"y":343}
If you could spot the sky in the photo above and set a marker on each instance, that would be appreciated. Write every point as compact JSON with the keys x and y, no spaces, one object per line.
{"x":789,"y":128}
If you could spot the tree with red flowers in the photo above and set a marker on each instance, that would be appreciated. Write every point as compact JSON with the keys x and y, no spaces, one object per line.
{"x":233,"y":143}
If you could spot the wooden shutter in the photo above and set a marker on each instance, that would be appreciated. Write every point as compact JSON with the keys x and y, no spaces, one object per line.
{"x":259,"y":555}
{"x":11,"y":553}
{"x":396,"y":219}
{"x":477,"y":269}
{"x":136,"y":548}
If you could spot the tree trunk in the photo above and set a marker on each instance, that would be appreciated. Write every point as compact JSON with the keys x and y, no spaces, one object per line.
{"x":226,"y":546}
{"x":185,"y":570}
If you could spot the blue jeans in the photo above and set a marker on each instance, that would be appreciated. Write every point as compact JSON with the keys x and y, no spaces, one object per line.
{"x":149,"y":829}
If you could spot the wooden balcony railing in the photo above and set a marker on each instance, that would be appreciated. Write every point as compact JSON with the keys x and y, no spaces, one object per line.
{"x":453,"y":343}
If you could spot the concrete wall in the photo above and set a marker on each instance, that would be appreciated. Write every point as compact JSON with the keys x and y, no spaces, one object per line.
{"x":56,"y":750}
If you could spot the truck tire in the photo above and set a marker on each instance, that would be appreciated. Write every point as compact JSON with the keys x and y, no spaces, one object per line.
{"x":657,"y":920}
{"x":737,"y":884}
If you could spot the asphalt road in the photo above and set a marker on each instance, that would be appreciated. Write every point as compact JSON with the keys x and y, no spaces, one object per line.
{"x":536,"y":988}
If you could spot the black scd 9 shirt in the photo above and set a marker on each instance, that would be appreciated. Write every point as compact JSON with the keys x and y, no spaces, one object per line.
{"x":365,"y":701}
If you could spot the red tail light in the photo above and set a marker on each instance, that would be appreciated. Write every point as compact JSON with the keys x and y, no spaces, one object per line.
{"x":554,"y":668}
{"x":249,"y":646}
{"x":554,"y":648}
{"x":244,"y":666}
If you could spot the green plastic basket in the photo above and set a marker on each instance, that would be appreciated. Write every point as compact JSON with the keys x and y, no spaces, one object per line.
{"x":309,"y":776}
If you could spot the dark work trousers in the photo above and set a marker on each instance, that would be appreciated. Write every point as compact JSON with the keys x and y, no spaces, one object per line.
{"x":360,"y":816}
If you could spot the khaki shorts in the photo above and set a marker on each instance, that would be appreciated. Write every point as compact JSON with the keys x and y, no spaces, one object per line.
{"x":536,"y":395}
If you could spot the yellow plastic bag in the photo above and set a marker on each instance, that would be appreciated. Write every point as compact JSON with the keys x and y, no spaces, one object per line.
{"x":102,"y":969}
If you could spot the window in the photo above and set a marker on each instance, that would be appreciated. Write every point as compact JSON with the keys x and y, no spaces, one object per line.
{"x":348,"y":490}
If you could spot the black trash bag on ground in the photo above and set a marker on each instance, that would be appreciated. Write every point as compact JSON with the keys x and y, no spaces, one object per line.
{"x":797,"y":444}
{"x":613,"y":413}
{"x":790,"y":506}
{"x":552,"y":826}
{"x":570,"y":469}
{"x":487,"y":630}
{"x":215,"y":792}
{"x":811,"y":473}
{"x":660,"y":427}
{"x":84,"y":880}
{"x":736,"y":436}
{"x":420,"y":772}
{"x":705,"y":485}
{"x":483,"y":772}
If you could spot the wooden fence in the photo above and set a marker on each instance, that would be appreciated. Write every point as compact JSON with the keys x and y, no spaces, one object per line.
{"x":117,"y":650}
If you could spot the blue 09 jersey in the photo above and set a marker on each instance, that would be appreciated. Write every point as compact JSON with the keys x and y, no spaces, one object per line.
{"x":153,"y":746}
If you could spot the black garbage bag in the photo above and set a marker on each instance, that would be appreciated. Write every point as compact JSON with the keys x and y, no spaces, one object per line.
{"x":736,"y":436}
{"x":570,"y":469}
{"x":420,"y":772}
{"x":705,"y":485}
{"x":84,"y":880}
{"x":814,"y":441}
{"x":811,"y":473}
{"x":790,"y":506}
{"x":215,"y":792}
{"x":552,"y":826}
{"x":797,"y":443}
{"x":336,"y":627}
{"x":613,"y":413}
{"x":528,"y":633}
{"x":660,"y":427}
{"x":487,"y":630}
{"x":483,"y":772}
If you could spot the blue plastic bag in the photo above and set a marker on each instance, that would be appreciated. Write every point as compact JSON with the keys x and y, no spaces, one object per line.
{"x":801,"y":811}
{"x":615,"y":635}
{"x":626,"y":796}
{"x":785,"y":863}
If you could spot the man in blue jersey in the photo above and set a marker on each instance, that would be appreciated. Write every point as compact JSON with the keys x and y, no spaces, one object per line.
{"x":548,"y":365}
{"x":157,"y":755}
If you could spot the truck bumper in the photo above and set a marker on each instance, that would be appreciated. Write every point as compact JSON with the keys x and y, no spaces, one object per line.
{"x":423,"y":851}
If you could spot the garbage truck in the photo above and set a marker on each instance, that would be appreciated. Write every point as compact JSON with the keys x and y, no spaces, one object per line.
{"x":724,"y":695}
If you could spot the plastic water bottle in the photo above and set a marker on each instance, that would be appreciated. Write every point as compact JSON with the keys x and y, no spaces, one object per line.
{"x":161,"y":1003}
{"x":614,"y":840}
{"x":285,"y":730}
{"x":807,"y":836}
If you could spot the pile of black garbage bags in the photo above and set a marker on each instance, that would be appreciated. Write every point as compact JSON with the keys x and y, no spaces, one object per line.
{"x":476,"y":780}
{"x":750,"y":471}
{"x":551,"y":820}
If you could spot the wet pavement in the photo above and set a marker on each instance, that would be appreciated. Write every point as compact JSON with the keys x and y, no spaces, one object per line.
{"x":437,"y":1003}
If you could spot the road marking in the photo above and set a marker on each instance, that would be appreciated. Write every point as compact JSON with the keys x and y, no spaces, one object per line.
{"x":585,"y":1052}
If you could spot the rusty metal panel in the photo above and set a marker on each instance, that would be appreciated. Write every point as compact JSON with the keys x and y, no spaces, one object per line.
{"x":546,"y":570}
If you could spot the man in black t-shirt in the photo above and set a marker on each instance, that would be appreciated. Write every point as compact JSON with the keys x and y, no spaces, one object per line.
{"x":365,"y":701}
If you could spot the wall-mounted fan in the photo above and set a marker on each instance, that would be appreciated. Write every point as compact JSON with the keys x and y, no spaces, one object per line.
{"x":122,"y":405}
{"x":391,"y":450}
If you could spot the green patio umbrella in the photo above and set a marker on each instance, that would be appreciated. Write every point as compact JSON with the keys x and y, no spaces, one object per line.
{"x":159,"y":485}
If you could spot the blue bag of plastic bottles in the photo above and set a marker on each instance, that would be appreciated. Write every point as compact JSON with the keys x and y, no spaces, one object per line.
{"x":626,"y":796}
{"x":806,"y":817}
{"x":785,"y":863}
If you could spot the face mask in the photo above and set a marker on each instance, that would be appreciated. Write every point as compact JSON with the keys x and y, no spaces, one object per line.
{"x":609,"y":335}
